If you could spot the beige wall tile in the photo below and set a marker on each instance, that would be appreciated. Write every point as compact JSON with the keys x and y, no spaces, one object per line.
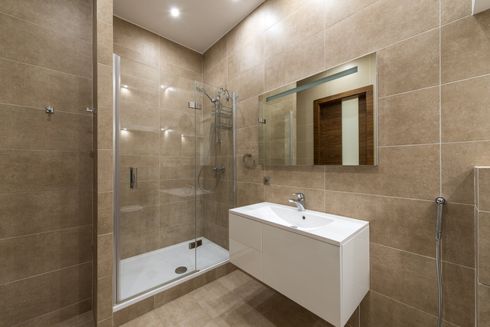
{"x":215,"y":54}
{"x":302,"y":24}
{"x":484,"y":248}
{"x":409,"y":65}
{"x":410,"y":171}
{"x":135,"y":43}
{"x":484,"y":301}
{"x":336,"y":10}
{"x":104,"y":86}
{"x":104,"y":255}
{"x":404,"y":276}
{"x":310,"y":177}
{"x":136,"y":69}
{"x":301,"y":60}
{"x":104,"y":296}
{"x":180,"y":56}
{"x":378,"y":310}
{"x":105,"y":213}
{"x":246,"y":56}
{"x":105,"y":176}
{"x":249,"y":193}
{"x":484,"y":189}
{"x":465,"y":114}
{"x":217,"y":74}
{"x":413,"y":223}
{"x":458,"y":239}
{"x":458,"y":160}
{"x":77,"y":313}
{"x":51,"y":15}
{"x":38,"y":87}
{"x":139,"y":231}
{"x":146,"y":194}
{"x":466,"y":48}
{"x":40,"y":253}
{"x":247,"y":112}
{"x":105,"y":127}
{"x":250,"y":83}
{"x":455,"y":9}
{"x":411,"y":118}
{"x":105,"y":47}
{"x":42,"y":294}
{"x":459,"y":294}
{"x":377,"y":26}
{"x":36,"y":212}
{"x":139,"y":142}
{"x":105,"y":11}
{"x":27,"y":171}
{"x":247,"y":29}
{"x":22,"y":127}
{"x":33,"y":44}
{"x":411,"y":279}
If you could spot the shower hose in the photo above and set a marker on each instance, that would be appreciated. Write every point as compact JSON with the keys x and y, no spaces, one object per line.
{"x":440,"y":202}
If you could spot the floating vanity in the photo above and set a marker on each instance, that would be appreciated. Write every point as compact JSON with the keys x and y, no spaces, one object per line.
{"x":319,"y":260}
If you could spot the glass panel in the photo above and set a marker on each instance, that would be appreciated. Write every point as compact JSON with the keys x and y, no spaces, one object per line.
{"x":216,"y":172}
{"x":156,"y":173}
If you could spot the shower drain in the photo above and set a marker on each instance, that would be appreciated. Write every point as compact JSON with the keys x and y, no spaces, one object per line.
{"x":180,"y":270}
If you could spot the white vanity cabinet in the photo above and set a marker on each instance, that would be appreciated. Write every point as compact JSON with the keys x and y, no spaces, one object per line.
{"x":326,"y":276}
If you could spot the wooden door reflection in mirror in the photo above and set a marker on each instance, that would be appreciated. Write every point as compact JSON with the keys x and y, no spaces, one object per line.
{"x":343,"y":128}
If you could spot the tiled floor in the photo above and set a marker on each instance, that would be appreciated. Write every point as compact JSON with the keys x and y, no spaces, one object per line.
{"x":233,"y":300}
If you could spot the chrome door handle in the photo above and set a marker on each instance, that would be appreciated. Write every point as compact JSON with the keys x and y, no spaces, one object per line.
{"x":133,"y":177}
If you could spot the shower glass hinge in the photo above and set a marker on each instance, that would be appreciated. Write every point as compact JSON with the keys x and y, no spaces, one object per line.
{"x":262,"y":121}
{"x":193,"y":245}
{"x":194,"y":105}
{"x":90,"y":109}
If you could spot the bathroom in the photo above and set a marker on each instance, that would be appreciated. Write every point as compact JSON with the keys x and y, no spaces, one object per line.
{"x":172,"y":163}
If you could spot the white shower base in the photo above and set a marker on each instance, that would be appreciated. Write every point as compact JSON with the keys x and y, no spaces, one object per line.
{"x":148,"y":270}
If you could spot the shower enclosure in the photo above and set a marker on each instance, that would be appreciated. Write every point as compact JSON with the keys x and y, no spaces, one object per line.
{"x":175,"y":170}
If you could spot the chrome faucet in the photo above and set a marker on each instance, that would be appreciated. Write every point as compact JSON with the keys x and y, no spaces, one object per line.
{"x":299,"y":201}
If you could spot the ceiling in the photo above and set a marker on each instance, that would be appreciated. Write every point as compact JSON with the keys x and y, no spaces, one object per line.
{"x":201,"y":22}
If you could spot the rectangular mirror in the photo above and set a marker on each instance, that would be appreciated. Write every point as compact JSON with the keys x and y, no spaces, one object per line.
{"x":326,"y":119}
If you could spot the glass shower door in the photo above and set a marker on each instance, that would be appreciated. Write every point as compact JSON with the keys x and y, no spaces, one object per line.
{"x":155,"y":161}
{"x":216,"y":174}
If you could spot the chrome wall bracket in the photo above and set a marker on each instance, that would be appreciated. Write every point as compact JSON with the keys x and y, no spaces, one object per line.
{"x":49,"y":109}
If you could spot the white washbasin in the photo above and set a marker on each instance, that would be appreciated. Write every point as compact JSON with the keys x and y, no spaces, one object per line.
{"x":326,"y":227}
{"x":290,"y":217}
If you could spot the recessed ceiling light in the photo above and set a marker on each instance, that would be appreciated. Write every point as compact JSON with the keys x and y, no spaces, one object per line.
{"x":174,"y":12}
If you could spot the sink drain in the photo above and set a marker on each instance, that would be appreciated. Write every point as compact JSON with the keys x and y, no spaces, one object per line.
{"x":180,"y":270}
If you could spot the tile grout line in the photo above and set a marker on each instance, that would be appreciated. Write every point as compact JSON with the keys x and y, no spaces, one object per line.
{"x":56,"y":310}
{"x":47,"y":272}
{"x":90,"y":78}
{"x":409,"y":306}
{"x":43,"y":109}
{"x":424,"y":256}
{"x":66,"y":229}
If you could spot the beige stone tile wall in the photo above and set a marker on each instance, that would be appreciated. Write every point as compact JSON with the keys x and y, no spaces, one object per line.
{"x":46,"y":192}
{"x":103,"y":91}
{"x":160,"y":139}
{"x":434,"y":65}
{"x":482,"y":213}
